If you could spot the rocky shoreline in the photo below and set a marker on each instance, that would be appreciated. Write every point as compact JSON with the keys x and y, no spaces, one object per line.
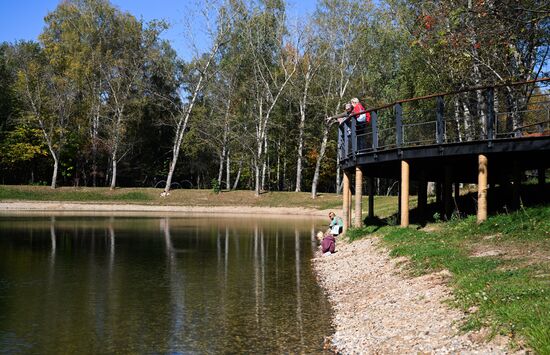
{"x":378,"y":309}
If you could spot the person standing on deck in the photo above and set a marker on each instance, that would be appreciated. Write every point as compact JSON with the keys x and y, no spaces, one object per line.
{"x":357,"y":107}
{"x":362,"y":120}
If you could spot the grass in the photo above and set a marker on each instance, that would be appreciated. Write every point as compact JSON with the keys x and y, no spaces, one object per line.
{"x":508,"y":289}
{"x":36,"y":193}
{"x":385,"y":205}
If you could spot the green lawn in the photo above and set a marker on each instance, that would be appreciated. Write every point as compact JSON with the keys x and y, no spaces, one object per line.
{"x":500,"y":269}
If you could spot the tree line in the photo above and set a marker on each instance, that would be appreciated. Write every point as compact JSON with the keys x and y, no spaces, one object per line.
{"x":102,"y":100}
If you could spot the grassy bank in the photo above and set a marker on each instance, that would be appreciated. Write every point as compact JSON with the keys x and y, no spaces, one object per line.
{"x":500,"y":269}
{"x":385,"y":205}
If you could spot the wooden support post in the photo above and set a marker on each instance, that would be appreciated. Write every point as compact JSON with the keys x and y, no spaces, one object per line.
{"x":371,"y":197}
{"x":404,"y":193}
{"x":345,"y":202}
{"x":422,"y":198}
{"x":448,"y":192}
{"x":358,"y":197}
{"x":482,"y":188}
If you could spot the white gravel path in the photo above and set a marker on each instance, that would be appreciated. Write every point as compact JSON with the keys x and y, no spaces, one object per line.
{"x":379,"y":310}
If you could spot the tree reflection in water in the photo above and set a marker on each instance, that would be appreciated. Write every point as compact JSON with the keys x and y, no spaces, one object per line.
{"x":122,"y":284}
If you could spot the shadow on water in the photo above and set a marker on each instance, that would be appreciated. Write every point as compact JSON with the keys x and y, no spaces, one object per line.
{"x":110,"y":284}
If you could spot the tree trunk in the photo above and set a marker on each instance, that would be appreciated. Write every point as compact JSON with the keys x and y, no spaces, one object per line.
{"x":264,"y":164}
{"x":467,"y":120}
{"x":220,"y":169}
{"x":55,"y":155}
{"x":55,"y":168}
{"x":284,"y":175}
{"x":182,"y":122}
{"x":238,"y":175}
{"x":228,"y":173}
{"x":300,"y":149}
{"x":114,"y":166}
{"x":257,"y":177}
{"x":279,"y":166}
{"x":95,"y":134}
{"x":301,"y":127}
{"x":318,"y":162}
{"x":457,"y":118}
{"x":114,"y":153}
{"x":481,"y":110}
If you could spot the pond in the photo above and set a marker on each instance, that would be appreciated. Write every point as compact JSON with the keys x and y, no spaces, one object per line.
{"x":103,"y":284}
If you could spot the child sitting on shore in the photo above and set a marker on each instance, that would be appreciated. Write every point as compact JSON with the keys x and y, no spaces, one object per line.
{"x":328,"y":242}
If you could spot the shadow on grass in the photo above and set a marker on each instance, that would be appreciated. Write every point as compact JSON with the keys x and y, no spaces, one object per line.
{"x":499,"y":202}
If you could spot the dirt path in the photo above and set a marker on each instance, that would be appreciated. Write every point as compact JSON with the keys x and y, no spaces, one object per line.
{"x":379,"y":310}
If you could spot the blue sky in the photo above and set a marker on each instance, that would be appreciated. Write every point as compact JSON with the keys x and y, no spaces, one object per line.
{"x":24,"y":19}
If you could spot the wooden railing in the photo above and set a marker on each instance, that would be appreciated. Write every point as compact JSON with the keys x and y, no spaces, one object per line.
{"x":488,"y":113}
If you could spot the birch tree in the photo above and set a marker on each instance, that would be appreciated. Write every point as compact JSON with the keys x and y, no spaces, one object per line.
{"x":48,"y":99}
{"x":274,"y":63}
{"x":339,"y":24}
{"x":308,"y":67}
{"x":123,"y":73}
{"x":218,"y":36}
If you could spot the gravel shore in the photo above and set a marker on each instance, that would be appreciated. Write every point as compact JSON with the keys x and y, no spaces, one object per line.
{"x":378,"y":309}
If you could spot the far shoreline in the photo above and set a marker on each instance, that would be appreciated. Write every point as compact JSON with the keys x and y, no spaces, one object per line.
{"x":83,"y":208}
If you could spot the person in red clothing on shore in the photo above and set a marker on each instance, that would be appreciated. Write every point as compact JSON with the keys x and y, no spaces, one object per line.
{"x":328,"y":244}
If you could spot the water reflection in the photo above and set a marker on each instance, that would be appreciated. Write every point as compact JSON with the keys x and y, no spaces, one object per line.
{"x":110,"y":284}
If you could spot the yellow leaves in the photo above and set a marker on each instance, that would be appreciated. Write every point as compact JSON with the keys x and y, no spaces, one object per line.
{"x":22,"y":144}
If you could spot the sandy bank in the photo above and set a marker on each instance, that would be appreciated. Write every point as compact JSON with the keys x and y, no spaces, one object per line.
{"x":380,"y":310}
{"x":102,"y":208}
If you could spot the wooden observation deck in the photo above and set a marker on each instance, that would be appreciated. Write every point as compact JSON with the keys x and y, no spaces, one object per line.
{"x":482,"y":135}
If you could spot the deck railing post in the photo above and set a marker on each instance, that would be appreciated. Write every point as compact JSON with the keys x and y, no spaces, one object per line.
{"x":490,"y":99}
{"x":354,"y":136}
{"x":398,"y":125}
{"x":374,"y":123}
{"x":346,"y":139}
{"x":341,"y":142}
{"x":440,"y":123}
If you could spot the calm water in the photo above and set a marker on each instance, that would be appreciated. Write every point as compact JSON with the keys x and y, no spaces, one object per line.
{"x":157,"y":285}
